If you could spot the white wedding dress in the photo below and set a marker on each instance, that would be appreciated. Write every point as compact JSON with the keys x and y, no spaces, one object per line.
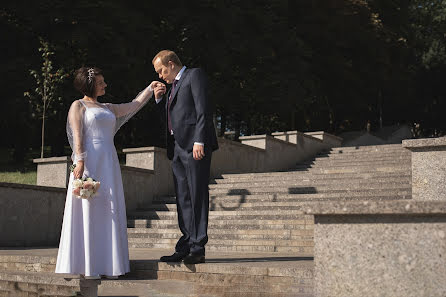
{"x":93,"y":241}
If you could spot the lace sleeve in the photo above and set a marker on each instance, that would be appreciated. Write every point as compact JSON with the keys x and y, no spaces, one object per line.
{"x":75,"y":131}
{"x":125,"y":111}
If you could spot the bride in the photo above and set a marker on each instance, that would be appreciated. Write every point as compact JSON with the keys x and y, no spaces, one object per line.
{"x":93,"y":241}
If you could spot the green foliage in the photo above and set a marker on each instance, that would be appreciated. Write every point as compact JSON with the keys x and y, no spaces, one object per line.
{"x":272,"y":65}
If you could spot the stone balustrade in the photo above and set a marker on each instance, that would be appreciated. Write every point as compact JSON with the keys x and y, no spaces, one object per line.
{"x":30,"y":215}
{"x":394,"y":248}
{"x":428,"y":168}
{"x":148,"y":173}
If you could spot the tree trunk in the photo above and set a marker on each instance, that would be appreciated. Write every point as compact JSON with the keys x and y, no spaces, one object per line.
{"x":43,"y":120}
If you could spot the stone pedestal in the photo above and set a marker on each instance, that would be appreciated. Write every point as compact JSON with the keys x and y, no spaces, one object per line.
{"x":377,"y":249}
{"x":139,"y":183}
{"x":328,"y":139}
{"x":279,"y":154}
{"x":428,"y":168}
{"x":53,"y":172}
{"x":153,"y":158}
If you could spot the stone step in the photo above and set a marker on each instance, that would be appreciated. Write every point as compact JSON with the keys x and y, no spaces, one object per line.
{"x":356,"y":168}
{"x":382,"y":170}
{"x":402,"y":152}
{"x":222,"y":234}
{"x":361,"y":159}
{"x":245,"y":198}
{"x":376,"y":189}
{"x":22,"y":283}
{"x":227,"y":238}
{"x":302,"y":175}
{"x":365,"y":154}
{"x":367,"y":148}
{"x":19,"y":283}
{"x":227,"y":224}
{"x":314,"y":182}
{"x":232,"y":205}
{"x":337,"y":163}
{"x":221,"y":242}
{"x":227,"y":215}
{"x":224,"y":273}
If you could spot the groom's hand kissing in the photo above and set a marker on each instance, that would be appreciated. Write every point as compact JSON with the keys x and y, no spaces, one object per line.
{"x":160,"y":90}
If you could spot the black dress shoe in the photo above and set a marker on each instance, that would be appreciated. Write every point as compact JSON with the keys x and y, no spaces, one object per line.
{"x":176,"y":257}
{"x":194,"y":259}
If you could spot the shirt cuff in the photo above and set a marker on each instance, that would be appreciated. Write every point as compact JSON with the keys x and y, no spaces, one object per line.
{"x":199,"y":143}
{"x":158,"y":100}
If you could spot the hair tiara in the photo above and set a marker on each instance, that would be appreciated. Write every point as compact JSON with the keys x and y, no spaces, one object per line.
{"x":90,"y":75}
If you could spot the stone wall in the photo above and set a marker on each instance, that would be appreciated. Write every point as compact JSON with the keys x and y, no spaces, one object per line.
{"x":30,"y":215}
{"x":374,"y":249}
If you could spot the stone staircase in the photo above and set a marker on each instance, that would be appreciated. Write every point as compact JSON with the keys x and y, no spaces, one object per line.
{"x":260,"y":244}
{"x":259,"y":212}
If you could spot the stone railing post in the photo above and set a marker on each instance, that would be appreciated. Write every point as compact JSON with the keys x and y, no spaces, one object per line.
{"x":153,"y":158}
{"x":379,"y":248}
{"x":428,"y":168}
{"x":53,"y":172}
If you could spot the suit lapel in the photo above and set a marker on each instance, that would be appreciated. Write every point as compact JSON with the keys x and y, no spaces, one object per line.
{"x":177,"y":87}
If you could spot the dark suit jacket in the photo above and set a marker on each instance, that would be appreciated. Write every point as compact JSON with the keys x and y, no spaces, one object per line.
{"x":191,"y":113}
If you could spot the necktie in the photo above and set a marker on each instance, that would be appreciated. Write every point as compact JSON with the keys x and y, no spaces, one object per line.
{"x":169,"y":123}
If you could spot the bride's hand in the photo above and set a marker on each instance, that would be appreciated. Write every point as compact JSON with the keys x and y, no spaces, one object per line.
{"x":155,"y":84}
{"x":78,"y":170}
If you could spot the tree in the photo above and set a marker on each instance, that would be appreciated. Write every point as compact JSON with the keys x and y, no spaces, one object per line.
{"x":48,"y":82}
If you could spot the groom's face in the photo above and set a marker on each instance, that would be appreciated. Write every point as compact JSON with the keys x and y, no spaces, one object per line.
{"x":165,"y":72}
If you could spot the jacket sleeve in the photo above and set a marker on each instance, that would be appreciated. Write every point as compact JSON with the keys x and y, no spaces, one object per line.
{"x":199,"y":88}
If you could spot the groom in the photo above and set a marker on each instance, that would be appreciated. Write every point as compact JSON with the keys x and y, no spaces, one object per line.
{"x":191,"y":139}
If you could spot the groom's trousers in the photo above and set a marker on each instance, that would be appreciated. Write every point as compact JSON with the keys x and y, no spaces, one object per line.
{"x":191,"y":180}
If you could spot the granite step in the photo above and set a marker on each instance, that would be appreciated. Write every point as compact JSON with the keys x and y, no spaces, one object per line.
{"x":314,"y":182}
{"x":218,"y":223}
{"x":223,"y":274}
{"x":170,"y":205}
{"x":253,"y":198}
{"x":225,"y":234}
{"x":381,"y":170}
{"x":236,"y":245}
{"x":225,"y":215}
{"x":237,"y":225}
{"x":376,"y":189}
{"x":314,"y":176}
{"x":363,"y":154}
{"x":378,"y":147}
{"x":22,"y":283}
{"x":356,"y":168}
{"x":336,"y":163}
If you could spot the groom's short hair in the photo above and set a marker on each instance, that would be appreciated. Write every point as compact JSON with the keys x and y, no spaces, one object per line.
{"x":166,"y":56}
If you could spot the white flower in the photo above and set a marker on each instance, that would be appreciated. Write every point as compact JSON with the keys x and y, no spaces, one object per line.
{"x":77,"y":183}
{"x":90,"y":179}
{"x":85,"y":193}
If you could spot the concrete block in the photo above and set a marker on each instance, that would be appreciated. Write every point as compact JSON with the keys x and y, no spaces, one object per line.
{"x":428,"y":168}
{"x":376,"y":249}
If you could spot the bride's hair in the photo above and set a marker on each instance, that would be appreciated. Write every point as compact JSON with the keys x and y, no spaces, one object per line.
{"x":85,"y":80}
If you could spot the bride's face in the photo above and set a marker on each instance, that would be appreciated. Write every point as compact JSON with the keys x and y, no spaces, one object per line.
{"x":100,"y":86}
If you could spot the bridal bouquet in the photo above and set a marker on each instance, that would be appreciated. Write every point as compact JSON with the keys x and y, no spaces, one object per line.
{"x":85,"y":187}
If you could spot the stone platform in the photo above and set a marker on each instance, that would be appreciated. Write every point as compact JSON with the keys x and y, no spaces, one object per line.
{"x":223,"y":274}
